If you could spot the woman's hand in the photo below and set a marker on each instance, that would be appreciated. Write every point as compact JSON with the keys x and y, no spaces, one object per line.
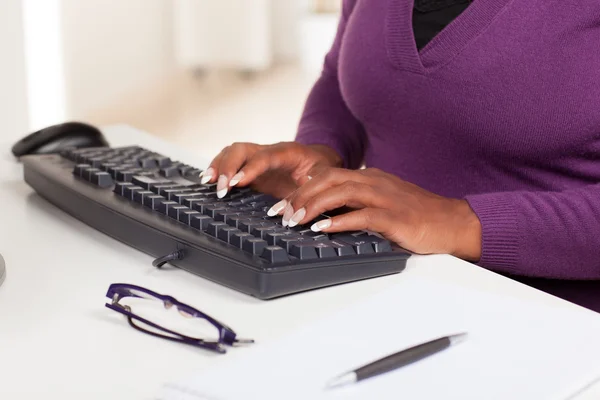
{"x":415,"y":219}
{"x":276,"y":169}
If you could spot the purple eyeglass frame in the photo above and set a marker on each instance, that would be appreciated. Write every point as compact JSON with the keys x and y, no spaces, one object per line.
{"x":227,"y":336}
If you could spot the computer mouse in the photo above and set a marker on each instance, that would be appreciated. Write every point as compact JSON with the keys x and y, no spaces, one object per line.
{"x":56,"y":138}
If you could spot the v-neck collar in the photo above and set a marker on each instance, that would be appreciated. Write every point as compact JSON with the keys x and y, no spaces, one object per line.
{"x":402,"y":48}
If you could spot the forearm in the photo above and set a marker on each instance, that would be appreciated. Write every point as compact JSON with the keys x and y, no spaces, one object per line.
{"x":326,"y":119}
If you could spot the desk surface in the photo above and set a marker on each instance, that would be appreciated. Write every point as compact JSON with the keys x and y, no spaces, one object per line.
{"x":58,"y":341}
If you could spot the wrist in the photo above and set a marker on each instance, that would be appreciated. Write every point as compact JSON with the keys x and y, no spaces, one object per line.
{"x":467,"y":232}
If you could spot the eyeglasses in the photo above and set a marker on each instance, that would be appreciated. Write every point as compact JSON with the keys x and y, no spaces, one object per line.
{"x":149,"y":317}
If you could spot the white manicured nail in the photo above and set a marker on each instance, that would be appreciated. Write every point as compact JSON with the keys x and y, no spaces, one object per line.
{"x":206,"y":175}
{"x":297,"y":217}
{"x":319,"y":226}
{"x":276,"y":209}
{"x":289,"y":211}
{"x":222,"y":186}
{"x":236,"y":178}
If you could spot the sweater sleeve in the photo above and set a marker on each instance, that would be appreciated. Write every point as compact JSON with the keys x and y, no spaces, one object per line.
{"x":326,"y":118}
{"x":541,"y":234}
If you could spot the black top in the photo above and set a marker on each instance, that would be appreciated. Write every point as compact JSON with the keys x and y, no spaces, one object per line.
{"x":431,"y":16}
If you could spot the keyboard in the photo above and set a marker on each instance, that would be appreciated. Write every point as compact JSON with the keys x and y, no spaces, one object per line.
{"x":158,"y":206}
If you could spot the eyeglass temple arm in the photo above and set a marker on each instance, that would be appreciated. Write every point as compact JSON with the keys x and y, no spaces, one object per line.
{"x":242,"y":342}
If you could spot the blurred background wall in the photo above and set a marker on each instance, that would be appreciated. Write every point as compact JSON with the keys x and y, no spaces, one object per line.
{"x":185,"y":70}
{"x":13,"y":102}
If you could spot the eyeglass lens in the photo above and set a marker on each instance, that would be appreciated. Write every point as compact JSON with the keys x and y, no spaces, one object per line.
{"x":168,"y":316}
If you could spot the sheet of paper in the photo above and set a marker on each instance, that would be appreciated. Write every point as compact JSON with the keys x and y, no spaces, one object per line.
{"x":514,"y":351}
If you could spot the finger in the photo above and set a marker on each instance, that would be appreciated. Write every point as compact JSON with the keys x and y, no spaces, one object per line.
{"x":209,"y":175}
{"x":229,"y":165}
{"x":324,"y":180}
{"x":370,"y":219}
{"x":350,"y":193}
{"x":279,"y":156}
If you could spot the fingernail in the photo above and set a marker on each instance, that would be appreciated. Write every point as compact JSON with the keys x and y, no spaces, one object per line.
{"x":319,"y":226}
{"x":206,"y":175}
{"x":276,"y":209}
{"x":297,"y":217}
{"x":222,"y":186}
{"x":289,"y":211}
{"x":236,"y":178}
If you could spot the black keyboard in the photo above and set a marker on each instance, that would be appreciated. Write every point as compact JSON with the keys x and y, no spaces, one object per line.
{"x":158,"y":206}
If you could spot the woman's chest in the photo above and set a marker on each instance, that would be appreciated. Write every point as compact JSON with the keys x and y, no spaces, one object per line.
{"x":514,"y":76}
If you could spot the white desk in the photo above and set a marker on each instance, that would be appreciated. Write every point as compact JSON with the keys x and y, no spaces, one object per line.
{"x":58,"y":341}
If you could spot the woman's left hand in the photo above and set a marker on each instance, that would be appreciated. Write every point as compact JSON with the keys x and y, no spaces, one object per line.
{"x":415,"y":219}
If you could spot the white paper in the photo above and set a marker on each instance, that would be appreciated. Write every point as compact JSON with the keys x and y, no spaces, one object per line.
{"x":514,"y":350}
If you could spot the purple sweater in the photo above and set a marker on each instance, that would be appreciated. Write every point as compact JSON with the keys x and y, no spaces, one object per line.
{"x":502,"y":108}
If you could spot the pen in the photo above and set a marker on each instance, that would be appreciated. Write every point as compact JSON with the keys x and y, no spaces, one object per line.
{"x":397,"y":360}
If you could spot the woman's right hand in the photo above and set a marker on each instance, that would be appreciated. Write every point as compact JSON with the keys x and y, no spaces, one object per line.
{"x":276,"y":169}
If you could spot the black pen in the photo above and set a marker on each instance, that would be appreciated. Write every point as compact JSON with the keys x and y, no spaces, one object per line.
{"x":397,"y":360}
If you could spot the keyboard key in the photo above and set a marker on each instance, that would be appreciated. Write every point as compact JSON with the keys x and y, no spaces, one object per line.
{"x":214,"y":228}
{"x":180,"y":197}
{"x":226,"y":234}
{"x":170,"y":193}
{"x":146,"y":181}
{"x":79,"y":168}
{"x":304,"y":251}
{"x":227,"y":217}
{"x":380,"y":245}
{"x":212,"y":210}
{"x":184,"y":168}
{"x":324,"y":249}
{"x":186,"y":216}
{"x":248,"y":224}
{"x":125,"y":175}
{"x":96,"y":162}
{"x":273,"y":236}
{"x":153,"y":201}
{"x":164,"y":190}
{"x":342,"y":249}
{"x":114,"y":170}
{"x":88,"y":172}
{"x":120,"y":187}
{"x":261,"y":231}
{"x":254,"y":246}
{"x":275,"y":254}
{"x":365,"y":243}
{"x":191,"y":202}
{"x":129,"y":191}
{"x":162,"y":186}
{"x":237,"y":239}
{"x":107,"y":165}
{"x":162,"y":161}
{"x":200,"y":221}
{"x":288,"y":241}
{"x":165,"y":205}
{"x":236,"y":219}
{"x":176,"y":211}
{"x":138,"y":196}
{"x":147,"y":163}
{"x":169,"y":172}
{"x":360,"y":245}
{"x":102,"y":179}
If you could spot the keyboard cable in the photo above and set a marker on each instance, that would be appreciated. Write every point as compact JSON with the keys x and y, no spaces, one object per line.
{"x":176,"y":255}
